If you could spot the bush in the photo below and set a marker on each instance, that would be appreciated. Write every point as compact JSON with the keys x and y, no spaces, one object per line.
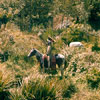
{"x":5,"y":95}
{"x":78,"y":35}
{"x":93,"y":78}
{"x":4,"y":56}
{"x":94,"y":17}
{"x":76,"y":32}
{"x":48,"y":32}
{"x":17,"y":96}
{"x":22,"y":60}
{"x":33,"y":13}
{"x":69,"y":90}
{"x":38,"y":91}
{"x":4,"y":85}
{"x":95,"y":47}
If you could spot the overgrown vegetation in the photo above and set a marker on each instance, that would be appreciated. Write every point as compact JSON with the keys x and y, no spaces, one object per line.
{"x":39,"y":90}
{"x":26,"y":24}
{"x":96,"y":47}
{"x":93,"y":78}
{"x":4,"y":86}
{"x":69,"y":90}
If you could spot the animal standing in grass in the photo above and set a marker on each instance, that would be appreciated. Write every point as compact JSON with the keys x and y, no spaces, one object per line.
{"x":75,"y":44}
{"x":59,"y":58}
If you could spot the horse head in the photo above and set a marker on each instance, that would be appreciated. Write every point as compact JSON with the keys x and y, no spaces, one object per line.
{"x":32,"y":53}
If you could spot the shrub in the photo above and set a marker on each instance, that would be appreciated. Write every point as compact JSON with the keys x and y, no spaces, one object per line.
{"x":76,"y":32}
{"x":93,"y":78}
{"x":73,"y":66}
{"x":16,"y":96}
{"x":94,"y":17}
{"x":69,"y":90}
{"x":48,"y":32}
{"x":33,"y":13}
{"x":78,"y":35}
{"x":38,"y":91}
{"x":21,"y":60}
{"x":4,"y":56}
{"x":95,"y":47}
{"x":4,"y":95}
{"x":4,"y":85}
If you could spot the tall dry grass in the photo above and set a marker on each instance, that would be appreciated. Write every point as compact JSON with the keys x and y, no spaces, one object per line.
{"x":78,"y":77}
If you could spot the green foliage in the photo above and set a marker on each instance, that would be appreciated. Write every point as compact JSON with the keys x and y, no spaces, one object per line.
{"x":26,"y":13}
{"x":8,"y":10}
{"x":34,"y":12}
{"x":22,"y":60}
{"x":29,"y":13}
{"x":45,"y":35}
{"x":4,"y":19}
{"x":38,"y":91}
{"x":93,"y":78}
{"x":76,"y":32}
{"x":94,"y":16}
{"x":88,"y":4}
{"x":4,"y":56}
{"x":17,"y":96}
{"x":73,"y":67}
{"x":4,"y":85}
{"x":50,"y":32}
{"x":69,"y":90}
{"x":66,"y":6}
{"x":95,"y":47}
{"x":78,"y":35}
{"x":4,"y":95}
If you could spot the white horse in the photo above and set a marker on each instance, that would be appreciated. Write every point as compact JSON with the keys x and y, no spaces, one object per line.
{"x":60,"y":60}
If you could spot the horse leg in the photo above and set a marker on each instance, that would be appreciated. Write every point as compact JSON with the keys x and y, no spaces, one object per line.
{"x":61,"y":69}
{"x":48,"y":62}
{"x":42,"y":67}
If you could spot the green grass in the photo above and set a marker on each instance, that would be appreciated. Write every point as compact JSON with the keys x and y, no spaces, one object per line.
{"x":93,"y":78}
{"x":38,"y":91}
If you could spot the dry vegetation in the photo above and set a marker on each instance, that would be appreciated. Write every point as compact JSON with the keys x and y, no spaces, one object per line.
{"x":20,"y":77}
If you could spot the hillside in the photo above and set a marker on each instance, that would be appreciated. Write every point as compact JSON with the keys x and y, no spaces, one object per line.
{"x":18,"y":70}
{"x":26,"y":24}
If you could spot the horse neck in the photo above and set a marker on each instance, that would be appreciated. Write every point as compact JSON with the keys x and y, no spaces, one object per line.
{"x":38,"y":55}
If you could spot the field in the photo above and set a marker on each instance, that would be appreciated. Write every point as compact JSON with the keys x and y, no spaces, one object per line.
{"x":20,"y":77}
{"x":26,"y":24}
